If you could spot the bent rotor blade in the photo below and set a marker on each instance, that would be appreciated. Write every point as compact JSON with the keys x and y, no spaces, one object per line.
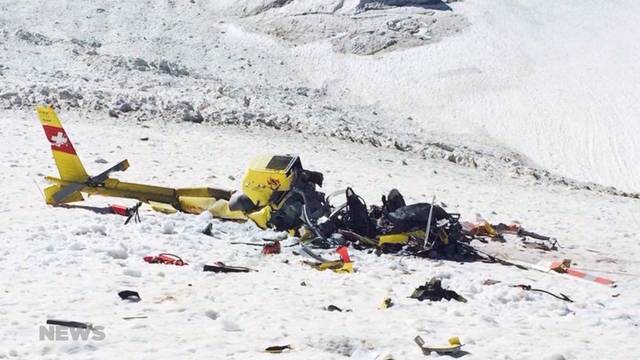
{"x":100,"y":178}
{"x":121,"y":166}
{"x":67,"y":190}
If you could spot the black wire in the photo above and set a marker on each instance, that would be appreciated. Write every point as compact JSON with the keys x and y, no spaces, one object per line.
{"x":562,"y":296}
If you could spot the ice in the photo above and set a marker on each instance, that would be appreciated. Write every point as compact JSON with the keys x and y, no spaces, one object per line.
{"x":504,"y":109}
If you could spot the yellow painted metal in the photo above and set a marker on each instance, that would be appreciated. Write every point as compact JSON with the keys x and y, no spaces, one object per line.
{"x":346,"y":268}
{"x":69,"y":165}
{"x":220,"y":209}
{"x":162,"y":207}
{"x":50,"y":191}
{"x":195,"y":205}
{"x":337,"y":266}
{"x":163,"y":199}
{"x":393,"y":239}
{"x":48,"y":116}
{"x":261,"y":217}
{"x":166,"y":199}
{"x":260,"y":182}
{"x":204,"y":192}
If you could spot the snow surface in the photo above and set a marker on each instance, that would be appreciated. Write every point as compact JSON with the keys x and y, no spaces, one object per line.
{"x":70,"y":263}
{"x":556,"y":81}
{"x":515,"y":87}
{"x":524,"y":95}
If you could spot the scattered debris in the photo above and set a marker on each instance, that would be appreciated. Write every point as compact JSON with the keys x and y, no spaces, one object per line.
{"x":277,"y":349}
{"x":344,"y":265}
{"x":272,"y":248}
{"x":165,"y":258}
{"x":219,"y":267}
{"x":564,"y":267}
{"x":129,"y":295}
{"x":491,"y":282}
{"x":561,"y":296}
{"x":335,"y":308}
{"x":130,"y":212}
{"x":452,"y":349}
{"x":432,"y":290}
{"x":386,"y":303}
{"x":71,"y":324}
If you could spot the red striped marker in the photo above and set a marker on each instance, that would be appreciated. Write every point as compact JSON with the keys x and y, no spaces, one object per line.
{"x":564,"y":267}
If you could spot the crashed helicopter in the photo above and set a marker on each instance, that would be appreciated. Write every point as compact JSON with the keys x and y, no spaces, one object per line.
{"x":269,"y":184}
{"x":277,"y":193}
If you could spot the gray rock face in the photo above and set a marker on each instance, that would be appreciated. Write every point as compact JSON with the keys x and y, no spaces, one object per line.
{"x":268,"y":5}
{"x":170,"y":68}
{"x":125,"y":107}
{"x":396,"y":24}
{"x":140,"y":64}
{"x":33,"y":38}
{"x":375,"y":4}
{"x":192,"y":116}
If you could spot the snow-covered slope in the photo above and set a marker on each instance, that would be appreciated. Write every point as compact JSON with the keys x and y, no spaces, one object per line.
{"x":70,"y":263}
{"x":506,"y":87}
{"x":499,"y":87}
{"x":556,"y":81}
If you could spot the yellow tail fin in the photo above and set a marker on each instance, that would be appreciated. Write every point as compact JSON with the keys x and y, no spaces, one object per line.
{"x":68,"y":163}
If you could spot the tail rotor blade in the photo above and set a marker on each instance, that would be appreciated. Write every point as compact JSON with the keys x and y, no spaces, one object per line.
{"x":121,"y":166}
{"x":66,"y":191}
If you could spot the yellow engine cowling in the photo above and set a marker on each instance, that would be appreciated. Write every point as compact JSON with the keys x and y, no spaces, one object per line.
{"x":266,"y":175}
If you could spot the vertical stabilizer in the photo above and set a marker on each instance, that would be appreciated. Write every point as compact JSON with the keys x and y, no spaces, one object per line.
{"x":68,"y":163}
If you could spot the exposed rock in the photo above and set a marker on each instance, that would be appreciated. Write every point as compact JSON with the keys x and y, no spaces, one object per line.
{"x":401,"y":147}
{"x":68,"y":95}
{"x":192,"y":116}
{"x":184,"y":105}
{"x":125,"y":107}
{"x":140,"y":64}
{"x":170,"y":68}
{"x":34,"y":38}
{"x":8,"y":95}
{"x":267,"y":5}
{"x":86,"y":43}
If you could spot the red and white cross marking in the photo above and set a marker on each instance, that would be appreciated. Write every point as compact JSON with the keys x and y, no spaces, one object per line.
{"x":58,"y":139}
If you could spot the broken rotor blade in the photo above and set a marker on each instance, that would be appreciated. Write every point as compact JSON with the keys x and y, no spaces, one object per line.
{"x":121,"y":166}
{"x":67,"y":190}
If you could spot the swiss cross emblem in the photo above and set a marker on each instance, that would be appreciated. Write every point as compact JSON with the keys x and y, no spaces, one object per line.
{"x":59,"y":139}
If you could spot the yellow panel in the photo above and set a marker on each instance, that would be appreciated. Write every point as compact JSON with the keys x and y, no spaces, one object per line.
{"x":67,"y":161}
{"x":195,"y":205}
{"x":48,"y":116}
{"x":205,"y":192}
{"x":69,"y":166}
{"x":393,"y":239}
{"x":50,"y":191}
{"x":151,"y":190}
{"x":220,"y":210}
{"x":162,"y":207}
{"x":259,"y":183}
{"x":261,"y":217}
